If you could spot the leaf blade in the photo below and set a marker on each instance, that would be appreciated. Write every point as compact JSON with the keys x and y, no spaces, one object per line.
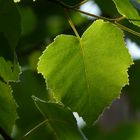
{"x":9,"y":72}
{"x":61,"y":119}
{"x":126,"y":9}
{"x":75,"y":70}
{"x":7,"y":107}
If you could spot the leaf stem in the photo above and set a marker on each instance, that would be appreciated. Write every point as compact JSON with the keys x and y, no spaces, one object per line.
{"x":127,"y":29}
{"x":33,"y":129}
{"x":133,"y":19}
{"x":113,"y":20}
{"x":72,"y":24}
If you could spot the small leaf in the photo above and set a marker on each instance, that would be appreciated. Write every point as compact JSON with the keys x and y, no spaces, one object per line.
{"x":8,"y":71}
{"x":87,"y":75}
{"x":10,"y":22}
{"x":61,"y":120}
{"x":7,"y":108}
{"x":126,"y":9}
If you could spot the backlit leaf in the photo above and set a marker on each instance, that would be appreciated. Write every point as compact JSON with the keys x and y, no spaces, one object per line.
{"x":87,"y":74}
{"x":126,"y":9}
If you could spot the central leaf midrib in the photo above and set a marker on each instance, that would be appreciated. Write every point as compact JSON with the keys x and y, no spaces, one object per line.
{"x":85,"y":70}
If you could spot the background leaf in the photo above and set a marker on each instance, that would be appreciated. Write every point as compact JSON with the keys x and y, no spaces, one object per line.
{"x":30,"y":84}
{"x":7,"y":108}
{"x":8,"y":71}
{"x":10,"y":22}
{"x":61,"y":120}
{"x":126,"y":9}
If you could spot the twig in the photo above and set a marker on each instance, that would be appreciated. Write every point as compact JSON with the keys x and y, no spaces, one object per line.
{"x":127,"y":29}
{"x":79,"y":4}
{"x":33,"y":129}
{"x":83,"y":12}
{"x":114,"y":20}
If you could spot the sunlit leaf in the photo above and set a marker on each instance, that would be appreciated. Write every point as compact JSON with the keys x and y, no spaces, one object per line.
{"x":126,"y":9}
{"x":138,"y":1}
{"x":87,"y":74}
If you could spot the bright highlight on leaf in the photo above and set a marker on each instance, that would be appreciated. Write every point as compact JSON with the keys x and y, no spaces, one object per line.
{"x":87,"y":75}
{"x":126,"y":9}
{"x":60,"y":119}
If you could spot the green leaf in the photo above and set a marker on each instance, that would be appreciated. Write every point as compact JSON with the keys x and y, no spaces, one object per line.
{"x":126,"y":9}
{"x":8,"y":71}
{"x":30,"y":84}
{"x":10,"y":22}
{"x":61,"y":120}
{"x":89,"y":73}
{"x":7,"y":108}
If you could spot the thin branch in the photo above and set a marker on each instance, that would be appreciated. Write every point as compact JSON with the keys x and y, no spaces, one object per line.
{"x":133,"y":19}
{"x":114,"y":20}
{"x":79,"y":4}
{"x":33,"y":129}
{"x":83,"y":12}
{"x":120,"y":18}
{"x":127,"y":29}
{"x":64,"y":5}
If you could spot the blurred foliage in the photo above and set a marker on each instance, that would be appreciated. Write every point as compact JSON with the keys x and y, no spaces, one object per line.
{"x":133,"y":90}
{"x":30,"y":84}
{"x":126,"y":131}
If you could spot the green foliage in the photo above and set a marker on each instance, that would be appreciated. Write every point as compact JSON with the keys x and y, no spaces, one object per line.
{"x":7,"y":108}
{"x":10,"y":22}
{"x":61,"y":120}
{"x":93,"y":62}
{"x":8,"y":71}
{"x":126,"y":9}
{"x":126,"y":131}
{"x":30,"y":84}
{"x":80,"y":74}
